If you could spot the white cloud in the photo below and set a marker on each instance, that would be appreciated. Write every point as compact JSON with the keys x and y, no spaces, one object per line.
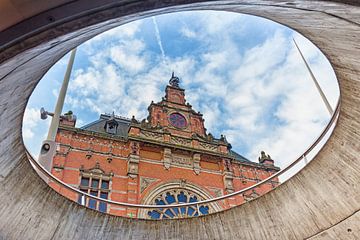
{"x":129,"y":57}
{"x":125,"y":31}
{"x":187,"y":32}
{"x":31,"y":121}
{"x":262,"y":98}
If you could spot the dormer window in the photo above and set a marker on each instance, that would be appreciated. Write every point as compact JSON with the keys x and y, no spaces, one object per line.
{"x":111,"y":126}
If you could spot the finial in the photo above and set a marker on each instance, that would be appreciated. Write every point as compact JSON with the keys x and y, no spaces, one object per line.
{"x":265,"y":157}
{"x":133,"y":120}
{"x":174,"y":81}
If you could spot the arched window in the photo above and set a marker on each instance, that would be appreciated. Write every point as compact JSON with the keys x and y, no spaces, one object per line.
{"x":177,"y":192}
{"x":176,"y":196}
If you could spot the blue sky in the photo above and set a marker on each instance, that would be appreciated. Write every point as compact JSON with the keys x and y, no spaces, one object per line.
{"x":242,"y":72}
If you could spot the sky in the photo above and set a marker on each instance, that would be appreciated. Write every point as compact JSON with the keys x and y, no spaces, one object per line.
{"x":242,"y":72}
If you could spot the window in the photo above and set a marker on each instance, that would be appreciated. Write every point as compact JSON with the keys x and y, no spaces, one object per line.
{"x":111,"y":126}
{"x":176,"y":196}
{"x":95,"y":185}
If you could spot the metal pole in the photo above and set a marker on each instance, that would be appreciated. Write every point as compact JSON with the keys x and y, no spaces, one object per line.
{"x":60,"y":101}
{"x":48,"y":148}
{"x":327,"y":104}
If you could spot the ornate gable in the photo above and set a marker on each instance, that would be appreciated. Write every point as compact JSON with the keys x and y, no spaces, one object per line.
{"x":173,"y":120}
{"x":174,"y":114}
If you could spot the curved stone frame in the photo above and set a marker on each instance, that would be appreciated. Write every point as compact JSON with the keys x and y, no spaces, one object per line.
{"x":186,"y":116}
{"x":176,"y":185}
{"x":180,"y":114}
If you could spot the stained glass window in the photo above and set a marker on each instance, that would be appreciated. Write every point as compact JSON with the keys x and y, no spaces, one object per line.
{"x":177,"y":120}
{"x":176,"y":196}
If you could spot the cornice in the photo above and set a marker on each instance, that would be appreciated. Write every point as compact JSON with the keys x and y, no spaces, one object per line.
{"x":169,"y":145}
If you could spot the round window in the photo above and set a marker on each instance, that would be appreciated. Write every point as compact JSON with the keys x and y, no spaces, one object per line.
{"x":177,"y":120}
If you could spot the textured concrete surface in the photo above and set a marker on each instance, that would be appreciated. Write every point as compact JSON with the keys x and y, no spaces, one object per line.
{"x":320,"y":202}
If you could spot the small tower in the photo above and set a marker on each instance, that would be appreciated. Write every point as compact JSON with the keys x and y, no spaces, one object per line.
{"x":174,"y":93}
{"x":265,"y":159}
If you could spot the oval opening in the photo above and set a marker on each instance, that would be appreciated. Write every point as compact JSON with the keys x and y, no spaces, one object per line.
{"x":176,"y":110}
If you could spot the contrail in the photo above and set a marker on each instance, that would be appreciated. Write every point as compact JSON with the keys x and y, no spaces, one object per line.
{"x":157,"y":34}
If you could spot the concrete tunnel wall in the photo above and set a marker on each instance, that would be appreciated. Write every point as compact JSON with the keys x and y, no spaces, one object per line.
{"x":320,"y":202}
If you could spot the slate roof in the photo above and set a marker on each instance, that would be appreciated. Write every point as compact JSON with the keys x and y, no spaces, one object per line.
{"x":238,"y":156}
{"x":99,"y":125}
{"x":123,"y":128}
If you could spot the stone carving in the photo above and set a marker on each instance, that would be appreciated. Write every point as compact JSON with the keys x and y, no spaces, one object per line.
{"x":133,"y":165}
{"x":196,"y":163}
{"x":167,"y":158}
{"x":227,"y":165}
{"x":181,"y":160}
{"x":145,"y":182}
{"x":135,"y":148}
{"x":183,"y":183}
{"x":207,"y":146}
{"x":151,"y":135}
{"x":180,"y":141}
{"x":228,"y":182}
{"x":210,"y":137}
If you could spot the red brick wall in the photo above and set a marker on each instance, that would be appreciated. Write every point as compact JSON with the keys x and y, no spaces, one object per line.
{"x":80,"y":151}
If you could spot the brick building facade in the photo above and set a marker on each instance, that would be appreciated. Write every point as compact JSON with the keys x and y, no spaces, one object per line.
{"x":167,"y":158}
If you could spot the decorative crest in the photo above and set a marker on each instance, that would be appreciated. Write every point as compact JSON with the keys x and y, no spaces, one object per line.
{"x":174,"y":81}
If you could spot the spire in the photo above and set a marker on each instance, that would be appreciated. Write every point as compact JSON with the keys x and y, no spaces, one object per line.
{"x":326,"y":102}
{"x":174,"y":81}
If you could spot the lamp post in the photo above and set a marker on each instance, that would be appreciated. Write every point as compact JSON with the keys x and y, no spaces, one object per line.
{"x":48,"y":147}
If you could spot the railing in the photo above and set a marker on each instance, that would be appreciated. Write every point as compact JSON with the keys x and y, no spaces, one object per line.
{"x":48,"y":175}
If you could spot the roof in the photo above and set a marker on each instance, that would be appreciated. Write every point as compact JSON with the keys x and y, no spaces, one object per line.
{"x":238,"y":156}
{"x":99,"y":125}
{"x":123,"y":128}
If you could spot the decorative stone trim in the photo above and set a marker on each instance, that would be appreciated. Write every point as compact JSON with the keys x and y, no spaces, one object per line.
{"x":167,"y":158}
{"x":176,"y":185}
{"x":196,"y":163}
{"x":151,"y":135}
{"x":207,"y":146}
{"x":181,"y":160}
{"x":228,"y":182}
{"x":133,"y":160}
{"x":145,"y":182}
{"x":133,"y":165}
{"x":217,"y":191}
{"x":180,"y":141}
